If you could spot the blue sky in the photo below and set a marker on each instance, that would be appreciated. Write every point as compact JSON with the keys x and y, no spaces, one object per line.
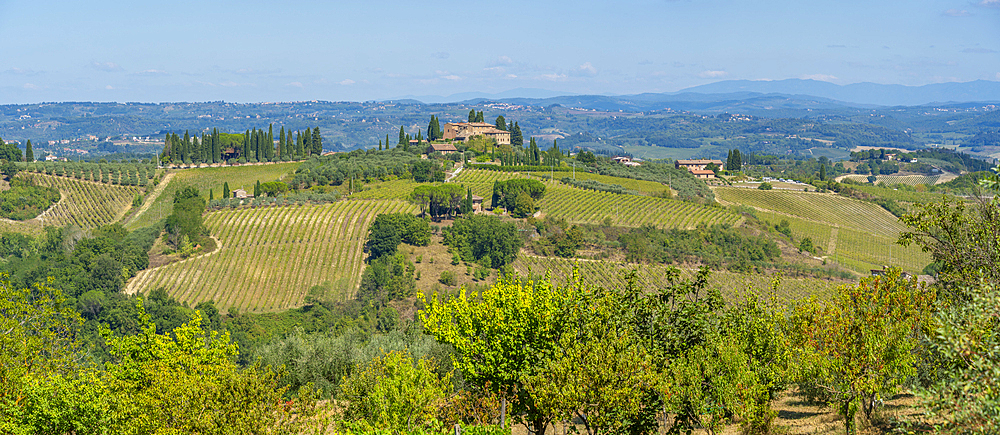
{"x":303,"y":50}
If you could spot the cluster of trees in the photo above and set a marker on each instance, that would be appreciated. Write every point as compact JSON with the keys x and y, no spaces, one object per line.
{"x":251,"y":146}
{"x":443,"y":199}
{"x":25,"y":199}
{"x":125,"y":174}
{"x":184,"y":230}
{"x":734,"y":161}
{"x":364,"y":165}
{"x":389,"y":275}
{"x":717,"y":246}
{"x":486,"y":240}
{"x":518,"y":196}
{"x":599,"y":186}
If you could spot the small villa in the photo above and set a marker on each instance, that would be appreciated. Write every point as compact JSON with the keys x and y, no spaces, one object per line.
{"x":443,"y":148}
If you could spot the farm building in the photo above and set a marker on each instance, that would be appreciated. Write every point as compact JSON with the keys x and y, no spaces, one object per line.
{"x":443,"y":148}
{"x":702,"y":173}
{"x":463,"y":131}
{"x":477,"y":203}
{"x":696,"y":164}
{"x":241,"y":194}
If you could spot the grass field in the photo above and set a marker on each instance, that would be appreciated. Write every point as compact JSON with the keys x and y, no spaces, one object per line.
{"x":238,"y":177}
{"x":612,"y":275}
{"x":85,"y":204}
{"x":588,"y":206}
{"x":857,"y":234}
{"x":271,"y":256}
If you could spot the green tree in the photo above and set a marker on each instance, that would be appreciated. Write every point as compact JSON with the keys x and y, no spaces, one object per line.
{"x":500,"y":337}
{"x":516,"y":138}
{"x":186,"y":219}
{"x":859,"y":346}
{"x":501,"y":123}
{"x":822,"y":172}
{"x":225,"y":190}
{"x":394,"y":392}
{"x":403,"y":141}
{"x":480,"y":117}
{"x":317,"y":142}
{"x":472,"y":115}
{"x":29,"y":153}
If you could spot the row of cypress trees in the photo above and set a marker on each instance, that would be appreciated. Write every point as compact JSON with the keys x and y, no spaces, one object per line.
{"x":253,"y":145}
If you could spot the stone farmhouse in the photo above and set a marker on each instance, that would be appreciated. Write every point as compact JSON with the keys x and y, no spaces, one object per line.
{"x":443,"y":148}
{"x":463,"y":131}
{"x":697,"y":167}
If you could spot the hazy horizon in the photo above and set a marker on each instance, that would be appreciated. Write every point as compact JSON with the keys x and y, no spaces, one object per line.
{"x":301,"y":51}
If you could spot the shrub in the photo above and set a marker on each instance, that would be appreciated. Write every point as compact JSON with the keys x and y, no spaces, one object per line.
{"x":765,"y":186}
{"x":447,"y":278}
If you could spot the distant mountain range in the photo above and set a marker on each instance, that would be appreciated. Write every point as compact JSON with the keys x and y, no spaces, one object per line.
{"x":749,"y":95}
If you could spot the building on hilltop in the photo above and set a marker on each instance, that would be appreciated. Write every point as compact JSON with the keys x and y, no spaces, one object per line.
{"x":463,"y":131}
{"x":241,"y":194}
{"x":699,"y":164}
{"x":443,"y":148}
{"x":627,"y":161}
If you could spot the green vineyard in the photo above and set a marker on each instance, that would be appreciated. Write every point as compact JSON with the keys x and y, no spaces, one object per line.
{"x":269,"y":257}
{"x":588,"y":206}
{"x":649,"y":277}
{"x":857,"y":234}
{"x":205,"y":179}
{"x":84,"y":204}
{"x":912,"y":180}
{"x":643,"y":186}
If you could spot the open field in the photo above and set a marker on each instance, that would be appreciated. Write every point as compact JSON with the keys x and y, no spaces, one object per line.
{"x":85,"y":204}
{"x":613,"y":274}
{"x":588,"y":206}
{"x":239,"y":177}
{"x":269,"y":257}
{"x":858,"y":235}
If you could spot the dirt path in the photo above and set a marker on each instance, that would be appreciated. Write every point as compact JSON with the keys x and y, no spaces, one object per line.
{"x":153,"y":195}
{"x":832,"y":248}
{"x":130,"y":287}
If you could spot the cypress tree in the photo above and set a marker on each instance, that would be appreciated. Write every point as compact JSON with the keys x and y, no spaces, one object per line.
{"x":256,"y":189}
{"x":402,"y":137}
{"x":380,"y":144}
{"x":317,"y":141}
{"x":307,"y":143}
{"x":472,"y":115}
{"x":480,"y":117}
{"x":225,"y":190}
{"x":516,"y":139}
{"x":298,"y":144}
{"x":430,"y":129}
{"x":420,"y":137}
{"x":822,"y":172}
{"x":29,"y":154}
{"x":501,"y":123}
{"x":281,"y":143}
{"x":211,"y":195}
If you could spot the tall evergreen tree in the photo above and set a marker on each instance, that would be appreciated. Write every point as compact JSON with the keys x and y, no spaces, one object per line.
{"x":480,"y":117}
{"x":29,"y":153}
{"x":472,"y":115}
{"x":516,"y":139}
{"x":307,"y":143}
{"x":380,"y":144}
{"x":217,"y":145}
{"x":317,"y":141}
{"x":281,"y":143}
{"x":402,"y":137}
{"x":822,"y":172}
{"x":501,"y":123}
{"x":299,"y":148}
{"x":420,"y":137}
{"x":256,"y":189}
{"x":269,"y":143}
{"x":729,"y":161}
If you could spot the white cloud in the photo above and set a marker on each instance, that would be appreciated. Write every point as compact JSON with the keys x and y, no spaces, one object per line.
{"x":451,"y":77}
{"x":998,"y":76}
{"x":106,"y":66}
{"x":553,"y":76}
{"x":152,"y":72}
{"x":21,"y":71}
{"x":347,"y":82}
{"x":31,"y":86}
{"x":956,"y":13}
{"x":587,"y":69}
{"x":295,"y":84}
{"x":820,"y":77}
{"x":514,"y":76}
{"x":710,"y":74}
{"x":990,"y":3}
{"x":502,"y":61}
{"x":109,"y":87}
